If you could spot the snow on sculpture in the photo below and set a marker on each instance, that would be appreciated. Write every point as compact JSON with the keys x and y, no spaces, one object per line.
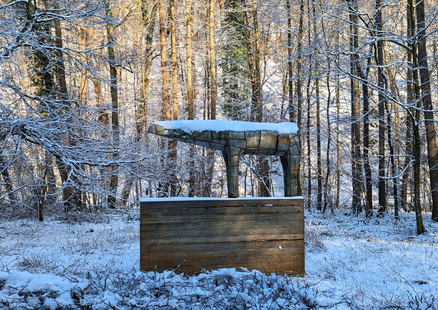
{"x":236,"y":138}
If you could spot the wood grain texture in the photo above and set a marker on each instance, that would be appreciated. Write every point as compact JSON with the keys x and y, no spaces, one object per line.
{"x":191,"y":235}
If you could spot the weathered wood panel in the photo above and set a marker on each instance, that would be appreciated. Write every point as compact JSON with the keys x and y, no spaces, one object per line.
{"x":193,"y":234}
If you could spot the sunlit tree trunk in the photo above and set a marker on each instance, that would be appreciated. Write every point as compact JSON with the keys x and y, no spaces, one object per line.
{"x":298,"y":87}
{"x":291,"y":108}
{"x":148,"y":17}
{"x":113,"y":170}
{"x":410,"y":101}
{"x":355,"y":108}
{"x":168,"y":187}
{"x":174,"y":61}
{"x":213,"y":90}
{"x":72,"y":196}
{"x":328,"y":145}
{"x":253,"y":47}
{"x":366,"y":139}
{"x":319,"y":177}
{"x":4,"y":171}
{"x":414,"y":114}
{"x":190,"y":92}
{"x":338,"y":141}
{"x":382,"y":101}
{"x":189,"y":60}
{"x":212,"y":60}
{"x":429,"y":120}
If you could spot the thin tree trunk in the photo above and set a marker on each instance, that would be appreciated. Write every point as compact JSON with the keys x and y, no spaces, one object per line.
{"x":417,"y":168}
{"x":329,"y":136}
{"x":300,"y":65}
{"x":393,"y":163}
{"x":429,"y":120}
{"x":410,"y":101}
{"x":148,"y":16}
{"x":114,"y":177}
{"x":319,"y":177}
{"x":166,"y":111}
{"x":338,"y":141}
{"x":366,"y":140}
{"x":83,"y":82}
{"x":174,"y":60}
{"x":253,"y":46}
{"x":291,"y":108}
{"x":71,"y":185}
{"x":4,"y":171}
{"x":213,"y":91}
{"x":415,"y":120}
{"x":382,"y":101}
{"x":168,"y":187}
{"x":190,"y":92}
{"x":309,"y":147}
{"x":212,"y":60}
{"x":298,"y":87}
{"x":355,"y":109}
{"x":189,"y":60}
{"x":148,"y":22}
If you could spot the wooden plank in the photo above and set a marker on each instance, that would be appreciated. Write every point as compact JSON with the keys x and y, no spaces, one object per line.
{"x":220,"y":254}
{"x":226,"y":246}
{"x":219,"y":235}
{"x":251,"y":254}
{"x":158,"y":211}
{"x":202,"y":203}
{"x":221,"y":239}
{"x":222,"y":225}
{"x":270,"y":263}
{"x":227,"y":249}
{"x":230,"y":218}
{"x":211,"y":232}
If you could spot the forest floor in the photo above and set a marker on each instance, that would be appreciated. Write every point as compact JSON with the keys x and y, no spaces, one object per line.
{"x":351,"y":263}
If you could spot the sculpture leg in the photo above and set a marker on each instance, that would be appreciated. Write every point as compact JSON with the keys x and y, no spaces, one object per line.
{"x":231,"y":158}
{"x":290,"y":164}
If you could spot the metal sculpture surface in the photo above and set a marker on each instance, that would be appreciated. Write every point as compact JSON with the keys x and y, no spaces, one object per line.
{"x":239,"y":138}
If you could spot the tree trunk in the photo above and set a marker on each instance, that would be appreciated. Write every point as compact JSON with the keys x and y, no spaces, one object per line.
{"x":71,"y":192}
{"x":189,"y":60}
{"x":212,"y":60}
{"x":4,"y":171}
{"x":174,"y":61}
{"x":213,"y":92}
{"x":366,"y":140}
{"x":394,"y":170}
{"x":148,"y":16}
{"x":355,"y":109}
{"x":168,"y":187}
{"x":190,"y":93}
{"x":113,"y":170}
{"x":253,"y":46}
{"x":298,"y":88}
{"x":382,"y":101}
{"x":319,"y":177}
{"x":427,"y":107}
{"x":309,"y":147}
{"x":291,"y":108}
{"x":329,"y":137}
{"x":338,"y":140}
{"x":415,"y":120}
{"x":410,"y":101}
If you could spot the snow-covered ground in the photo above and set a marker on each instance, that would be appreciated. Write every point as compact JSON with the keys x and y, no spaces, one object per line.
{"x":351,"y":263}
